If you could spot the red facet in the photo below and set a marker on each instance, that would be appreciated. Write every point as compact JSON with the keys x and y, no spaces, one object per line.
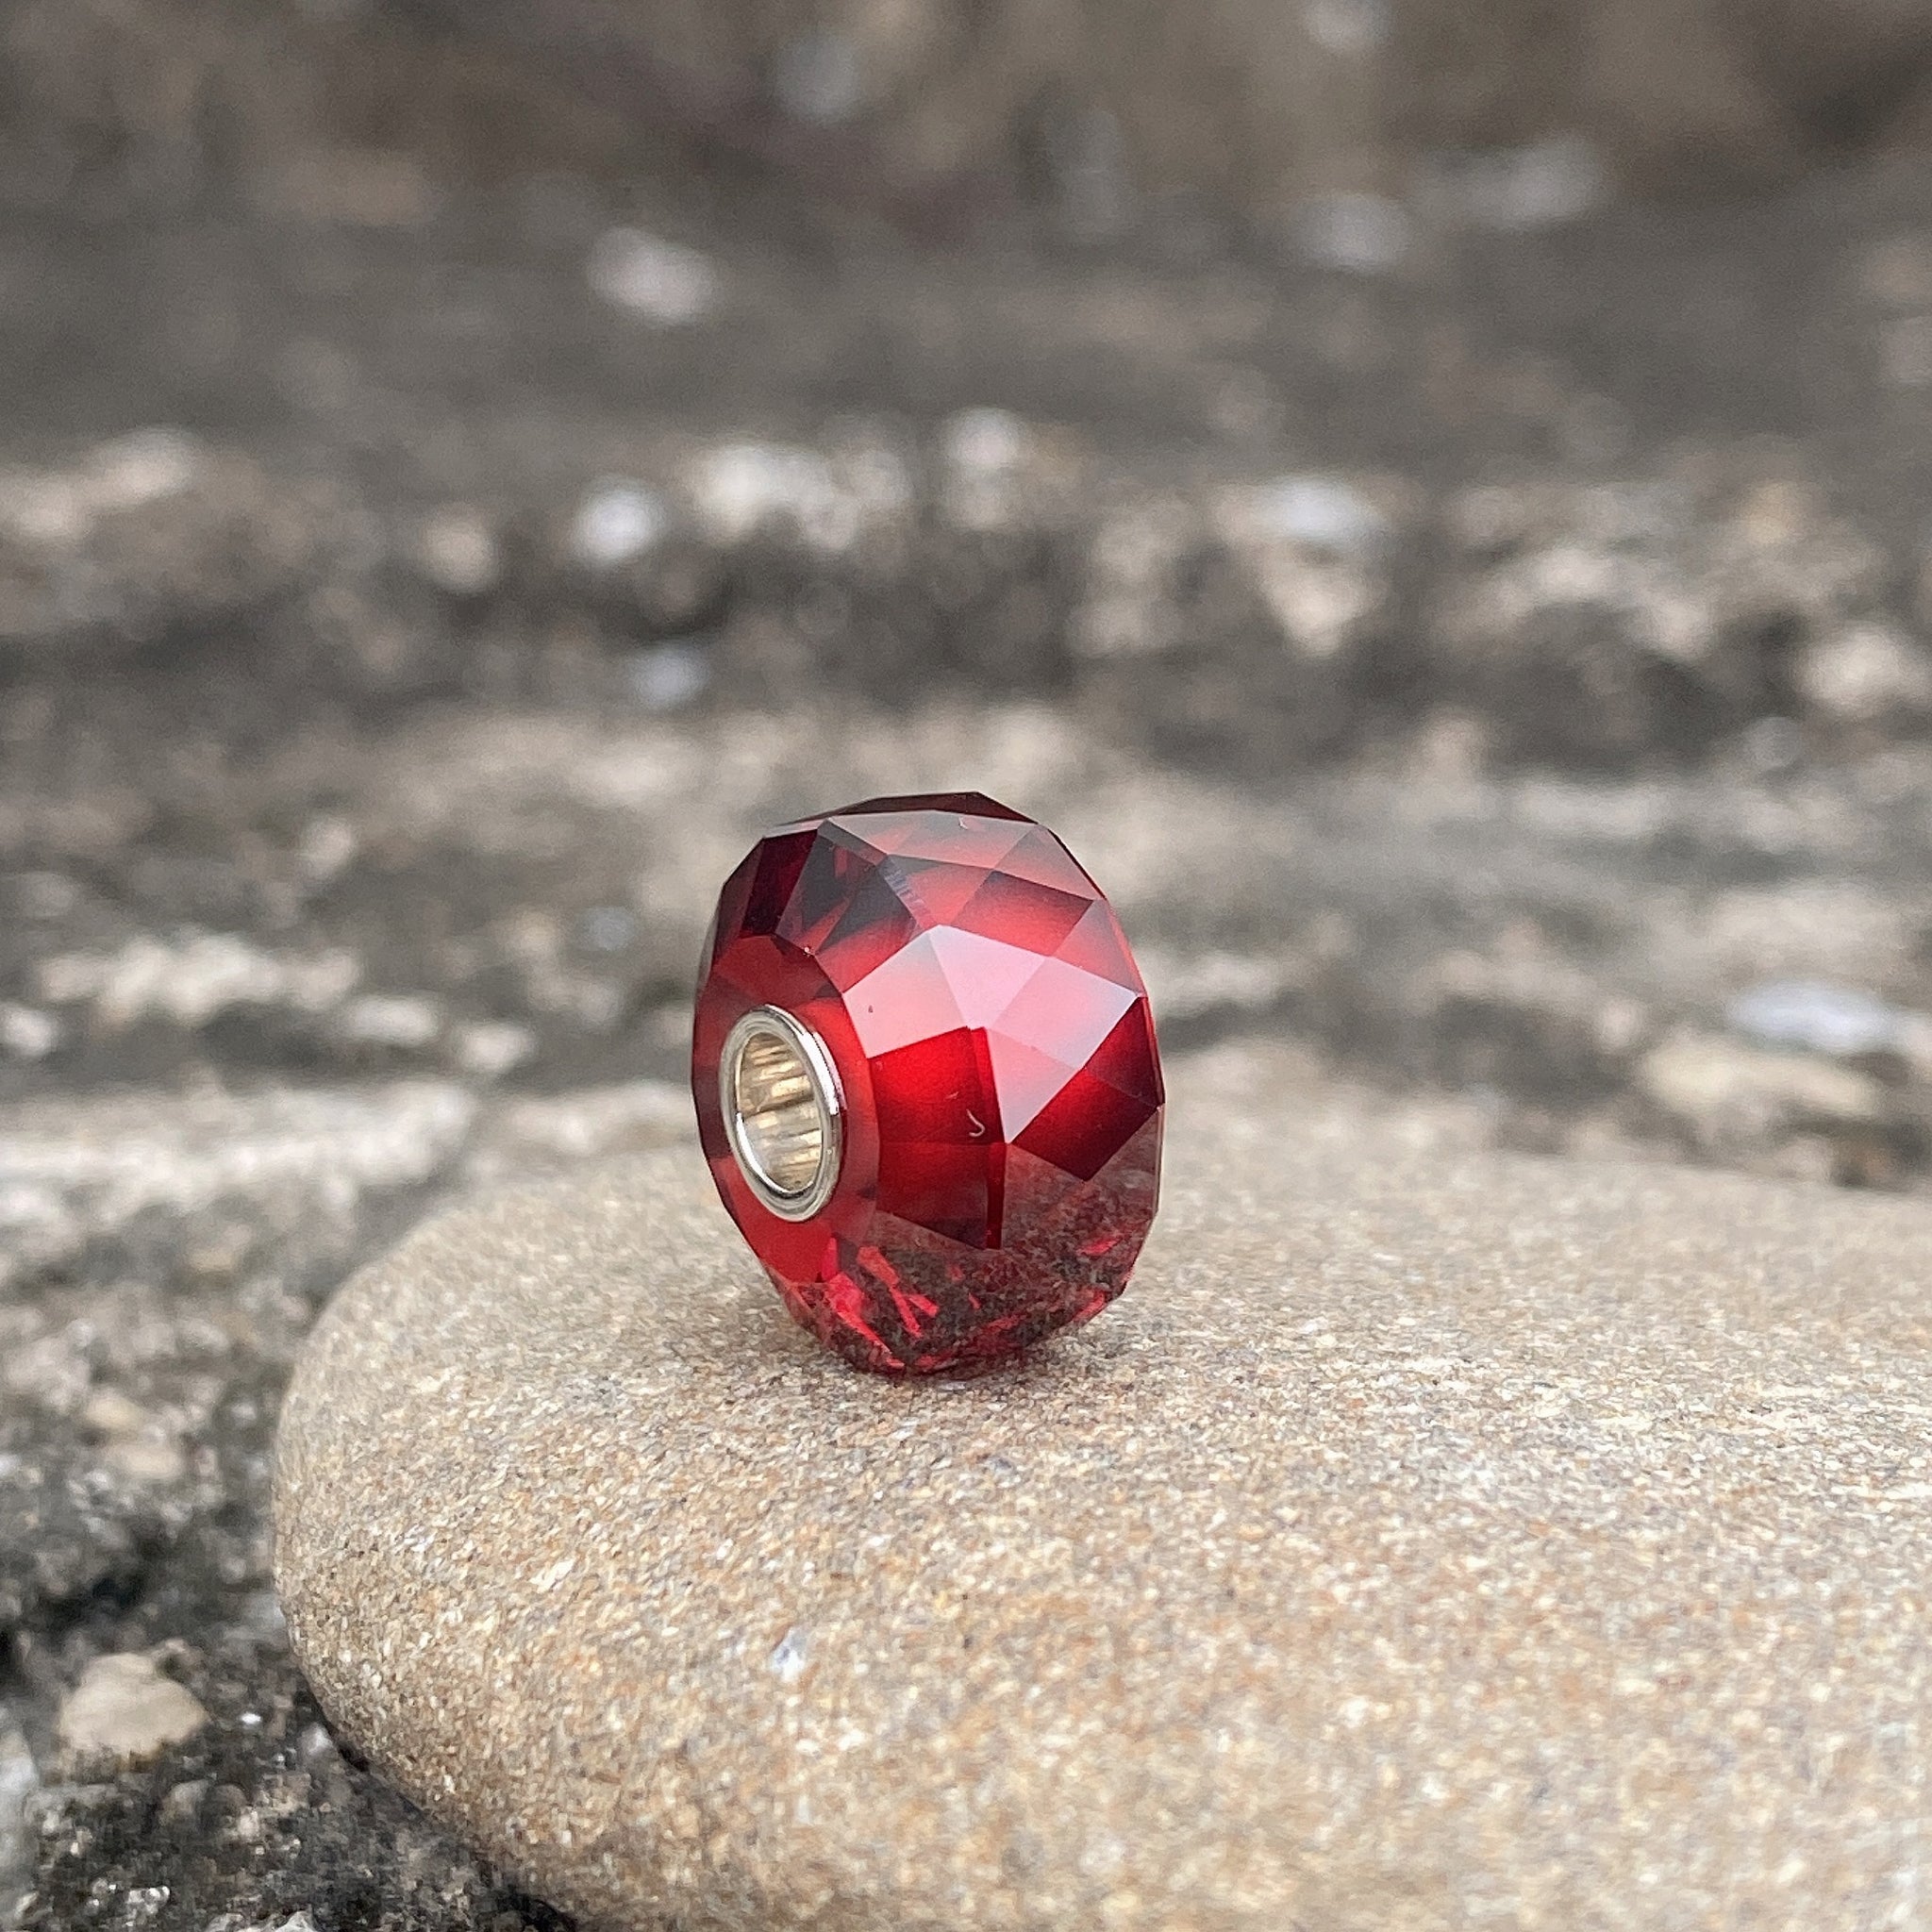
{"x":1001,"y":1084}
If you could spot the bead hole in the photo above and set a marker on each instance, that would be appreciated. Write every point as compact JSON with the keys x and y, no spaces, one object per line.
{"x":781,"y":1109}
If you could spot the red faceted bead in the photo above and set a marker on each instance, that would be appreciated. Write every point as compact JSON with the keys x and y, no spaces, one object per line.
{"x":926,"y":1080}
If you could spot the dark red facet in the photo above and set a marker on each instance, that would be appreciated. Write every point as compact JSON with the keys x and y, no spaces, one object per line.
{"x":1001,"y":1084}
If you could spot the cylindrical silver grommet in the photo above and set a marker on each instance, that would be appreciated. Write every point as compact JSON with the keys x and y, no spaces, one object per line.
{"x":783,"y":1111}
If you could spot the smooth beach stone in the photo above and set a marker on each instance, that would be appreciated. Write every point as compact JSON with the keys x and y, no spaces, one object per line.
{"x":1418,"y":1543}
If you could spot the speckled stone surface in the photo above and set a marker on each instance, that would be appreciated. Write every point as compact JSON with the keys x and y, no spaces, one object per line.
{"x":1421,"y":1543}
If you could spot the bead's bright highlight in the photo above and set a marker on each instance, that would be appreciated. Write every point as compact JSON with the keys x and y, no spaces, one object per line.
{"x":926,"y":1080}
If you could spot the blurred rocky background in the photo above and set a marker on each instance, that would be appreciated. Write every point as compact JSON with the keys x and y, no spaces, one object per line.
{"x":1118,"y":109}
{"x":1430,"y":498}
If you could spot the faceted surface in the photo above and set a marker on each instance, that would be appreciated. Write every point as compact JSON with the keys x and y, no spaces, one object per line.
{"x":995,"y":1055}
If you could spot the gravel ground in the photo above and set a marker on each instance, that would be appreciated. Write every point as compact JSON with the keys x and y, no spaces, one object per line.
{"x":1495,"y":692}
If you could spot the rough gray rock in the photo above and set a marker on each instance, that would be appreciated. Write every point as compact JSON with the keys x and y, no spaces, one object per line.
{"x":1627,"y":497}
{"x":149,"y":534}
{"x":255,"y":1820}
{"x":1414,"y":1539}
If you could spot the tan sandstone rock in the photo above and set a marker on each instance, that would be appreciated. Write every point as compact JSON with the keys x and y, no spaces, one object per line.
{"x":1421,"y":1543}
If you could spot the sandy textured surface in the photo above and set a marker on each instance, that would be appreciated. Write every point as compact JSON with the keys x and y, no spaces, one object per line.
{"x":1421,"y":1543}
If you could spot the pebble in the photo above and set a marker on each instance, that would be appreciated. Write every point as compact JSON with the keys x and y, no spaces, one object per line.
{"x":124,"y":1711}
{"x":139,"y":1447}
{"x":145,"y":468}
{"x":155,"y":1460}
{"x":1319,"y":513}
{"x":1423,"y":1539}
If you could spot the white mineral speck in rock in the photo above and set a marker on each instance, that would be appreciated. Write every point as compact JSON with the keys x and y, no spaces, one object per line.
{"x":663,"y":678}
{"x":793,"y":1657}
{"x":458,"y":551}
{"x":1347,"y":26}
{"x":1842,"y":1021}
{"x":1133,"y":566}
{"x":125,"y":1710}
{"x":1364,"y":234}
{"x":492,"y":1047}
{"x":617,"y":522}
{"x":144,"y":468}
{"x":46,"y":894}
{"x":742,"y":486}
{"x":328,"y":846}
{"x":19,"y":1780}
{"x":532,"y":1130}
{"x":113,"y":1413}
{"x":663,"y":282}
{"x":818,"y":77}
{"x":1541,"y":186}
{"x":1315,"y":547}
{"x":402,"y":1020}
{"x":1864,"y":673}
{"x":987,"y":454}
{"x":1322,"y":512}
{"x":77,"y":1170}
{"x":1722,"y":1085}
{"x":192,"y":978}
{"x":61,"y":506}
{"x":985,"y":442}
{"x":825,"y":502}
{"x":26,"y":1033}
{"x":608,"y":928}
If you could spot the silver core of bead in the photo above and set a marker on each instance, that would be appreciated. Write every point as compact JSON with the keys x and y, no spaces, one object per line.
{"x":783,"y":1111}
